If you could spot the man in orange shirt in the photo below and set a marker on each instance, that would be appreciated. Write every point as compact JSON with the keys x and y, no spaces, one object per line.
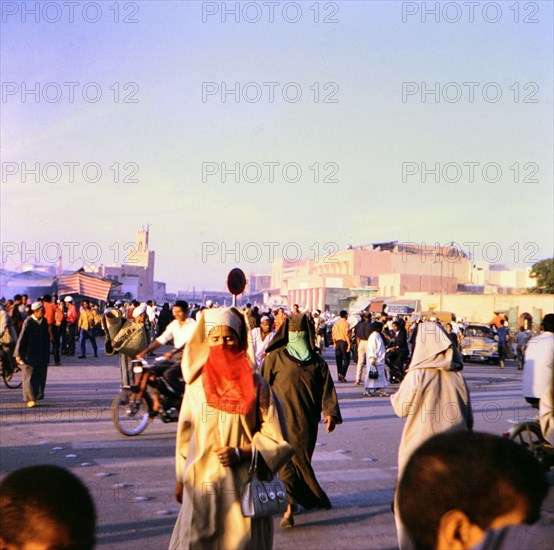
{"x":71,"y":318}
{"x":341,"y":340}
{"x":51,"y":314}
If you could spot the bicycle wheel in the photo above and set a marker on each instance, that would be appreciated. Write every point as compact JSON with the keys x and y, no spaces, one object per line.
{"x":12,"y":378}
{"x":129,"y":416}
{"x":529,"y":435}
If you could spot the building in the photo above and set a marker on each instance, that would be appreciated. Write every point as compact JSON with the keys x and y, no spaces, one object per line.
{"x":393,"y":268}
{"x":136,"y":275}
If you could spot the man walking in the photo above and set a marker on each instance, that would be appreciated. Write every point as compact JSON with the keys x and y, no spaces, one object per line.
{"x":32,"y":352}
{"x":51,"y":315}
{"x":71,"y":319}
{"x":87,"y":321}
{"x":341,"y":341}
{"x":503,"y":339}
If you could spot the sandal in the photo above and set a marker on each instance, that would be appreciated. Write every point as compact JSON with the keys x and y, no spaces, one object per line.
{"x":287,"y":522}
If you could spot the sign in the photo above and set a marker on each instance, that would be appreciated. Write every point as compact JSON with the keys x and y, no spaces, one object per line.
{"x":236,"y":281}
{"x":399,"y":309}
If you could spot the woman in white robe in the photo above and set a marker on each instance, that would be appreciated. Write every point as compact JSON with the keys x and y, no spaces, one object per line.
{"x":432,"y":398}
{"x":215,"y":438}
{"x":375,"y":355}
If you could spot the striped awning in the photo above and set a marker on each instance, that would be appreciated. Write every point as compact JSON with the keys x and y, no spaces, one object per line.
{"x":85,"y":285}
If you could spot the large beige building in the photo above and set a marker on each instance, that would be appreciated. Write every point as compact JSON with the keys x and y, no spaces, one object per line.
{"x":384,"y":269}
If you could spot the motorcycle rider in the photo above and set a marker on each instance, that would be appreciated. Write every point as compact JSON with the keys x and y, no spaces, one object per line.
{"x":179,"y":331}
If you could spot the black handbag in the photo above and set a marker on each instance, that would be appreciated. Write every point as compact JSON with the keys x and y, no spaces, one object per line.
{"x":372,"y":372}
{"x":262,"y":498}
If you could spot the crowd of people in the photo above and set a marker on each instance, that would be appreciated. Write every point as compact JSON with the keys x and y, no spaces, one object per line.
{"x":257,"y":385}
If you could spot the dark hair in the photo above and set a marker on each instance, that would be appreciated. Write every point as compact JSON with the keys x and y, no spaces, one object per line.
{"x":376,"y":326}
{"x":548,"y":322}
{"x":37,"y":494}
{"x":182,"y":304}
{"x":17,"y":297}
{"x":47,"y":298}
{"x":482,"y":475}
{"x":343,"y":314}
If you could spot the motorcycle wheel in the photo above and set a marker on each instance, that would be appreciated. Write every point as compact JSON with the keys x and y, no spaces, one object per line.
{"x":529,"y":435}
{"x":12,"y":378}
{"x":129,"y":416}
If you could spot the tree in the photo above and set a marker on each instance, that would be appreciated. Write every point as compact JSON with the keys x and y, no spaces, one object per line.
{"x":543,"y":272}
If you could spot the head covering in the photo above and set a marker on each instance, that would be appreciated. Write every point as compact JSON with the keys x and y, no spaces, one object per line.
{"x":264,"y":319}
{"x":297,"y":323}
{"x":209,"y":303}
{"x":434,"y":349}
{"x":36,"y":305}
{"x":221,"y":316}
{"x":139,"y":310}
{"x":68,"y":299}
{"x":227,"y":372}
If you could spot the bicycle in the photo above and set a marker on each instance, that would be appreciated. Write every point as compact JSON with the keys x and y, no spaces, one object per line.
{"x":11,"y":374}
{"x":528,"y":434}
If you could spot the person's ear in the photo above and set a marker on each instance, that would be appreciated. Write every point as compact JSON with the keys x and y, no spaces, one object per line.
{"x":456,"y":532}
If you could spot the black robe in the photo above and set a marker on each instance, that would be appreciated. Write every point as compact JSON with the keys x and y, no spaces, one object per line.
{"x":306,"y":389}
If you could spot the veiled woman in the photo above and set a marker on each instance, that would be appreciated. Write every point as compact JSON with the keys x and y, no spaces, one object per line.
{"x":301,"y":379}
{"x":432,"y":398}
{"x":226,"y":410}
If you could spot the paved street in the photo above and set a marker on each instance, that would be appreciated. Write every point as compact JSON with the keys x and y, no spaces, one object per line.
{"x":132,"y":478}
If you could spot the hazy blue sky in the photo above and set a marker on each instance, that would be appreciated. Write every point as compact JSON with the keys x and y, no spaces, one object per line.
{"x":369,"y":133}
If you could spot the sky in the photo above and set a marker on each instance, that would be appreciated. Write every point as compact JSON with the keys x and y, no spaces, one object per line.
{"x":349,"y":123}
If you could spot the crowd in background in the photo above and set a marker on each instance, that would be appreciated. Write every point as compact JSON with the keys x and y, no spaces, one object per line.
{"x":421,"y":354}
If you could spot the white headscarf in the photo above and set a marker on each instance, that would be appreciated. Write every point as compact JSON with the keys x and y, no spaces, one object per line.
{"x":434,"y":349}
{"x":197,"y":349}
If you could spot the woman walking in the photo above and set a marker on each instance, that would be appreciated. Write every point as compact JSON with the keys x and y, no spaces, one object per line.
{"x":227,"y":410}
{"x":375,"y":359}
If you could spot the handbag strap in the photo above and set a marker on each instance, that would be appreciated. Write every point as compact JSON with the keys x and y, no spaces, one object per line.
{"x":254,"y":462}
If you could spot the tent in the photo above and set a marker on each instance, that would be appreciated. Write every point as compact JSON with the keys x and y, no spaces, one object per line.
{"x":86,"y":285}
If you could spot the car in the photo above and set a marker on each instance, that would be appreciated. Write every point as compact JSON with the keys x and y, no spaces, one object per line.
{"x":480,"y":344}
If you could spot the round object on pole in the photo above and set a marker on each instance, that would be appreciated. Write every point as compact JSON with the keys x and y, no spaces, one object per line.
{"x":236,"y":281}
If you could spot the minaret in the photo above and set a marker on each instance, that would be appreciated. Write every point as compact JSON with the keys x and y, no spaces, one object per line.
{"x":141,"y":255}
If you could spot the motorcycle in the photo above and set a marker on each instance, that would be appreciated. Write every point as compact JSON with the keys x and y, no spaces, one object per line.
{"x":133,"y":408}
{"x":396,"y":372}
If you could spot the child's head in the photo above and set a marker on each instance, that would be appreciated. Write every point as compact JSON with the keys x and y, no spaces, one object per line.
{"x":459,"y":484}
{"x":45,"y":507}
